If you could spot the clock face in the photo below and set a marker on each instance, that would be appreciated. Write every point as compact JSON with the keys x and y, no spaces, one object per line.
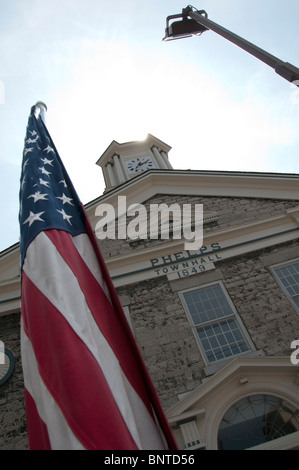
{"x":137,"y":165}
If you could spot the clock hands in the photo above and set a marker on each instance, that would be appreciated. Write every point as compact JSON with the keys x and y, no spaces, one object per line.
{"x":140,"y":164}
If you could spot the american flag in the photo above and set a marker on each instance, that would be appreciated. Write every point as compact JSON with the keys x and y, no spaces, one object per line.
{"x":86,"y":385}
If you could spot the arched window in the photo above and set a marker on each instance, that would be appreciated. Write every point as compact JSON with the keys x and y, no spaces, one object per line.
{"x":255,"y":420}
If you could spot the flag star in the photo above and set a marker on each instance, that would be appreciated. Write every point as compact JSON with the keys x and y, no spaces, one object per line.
{"x":46,"y":161}
{"x":33,"y":133}
{"x":43,"y":182}
{"x":65,"y":199}
{"x":64,"y":183}
{"x":65,"y":216}
{"x":32,"y":141}
{"x":25,"y":164}
{"x":23,"y":182}
{"x":49,"y":149}
{"x":28,"y":150}
{"x":44,"y":171}
{"x":37,"y":196}
{"x":33,"y":217}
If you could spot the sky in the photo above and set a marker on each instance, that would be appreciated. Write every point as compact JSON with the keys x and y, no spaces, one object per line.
{"x":105,"y":74}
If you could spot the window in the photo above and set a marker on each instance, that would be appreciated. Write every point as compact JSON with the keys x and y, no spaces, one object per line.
{"x":216,"y":323}
{"x":288,"y":276}
{"x":256,"y":419}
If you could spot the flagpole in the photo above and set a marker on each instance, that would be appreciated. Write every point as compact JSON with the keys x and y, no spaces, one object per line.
{"x":42,"y":109}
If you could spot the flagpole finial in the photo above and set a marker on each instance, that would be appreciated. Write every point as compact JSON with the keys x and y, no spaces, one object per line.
{"x":42,"y":109}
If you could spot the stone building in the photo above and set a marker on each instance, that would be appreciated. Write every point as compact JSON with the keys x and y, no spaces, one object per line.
{"x":217,"y":325}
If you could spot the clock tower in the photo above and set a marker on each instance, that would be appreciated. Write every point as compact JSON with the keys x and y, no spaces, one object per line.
{"x":122,"y":162}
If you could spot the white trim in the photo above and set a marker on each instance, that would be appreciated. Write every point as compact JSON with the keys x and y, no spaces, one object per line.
{"x":275,"y":366}
{"x":208,"y":183}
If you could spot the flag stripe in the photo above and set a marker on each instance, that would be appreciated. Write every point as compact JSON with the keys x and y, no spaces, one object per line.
{"x":52,"y":276}
{"x":86,"y":251}
{"x":47,"y":427}
{"x":37,"y":430}
{"x":159,"y":414}
{"x":83,"y":378}
{"x":114,"y":327}
{"x":161,"y":419}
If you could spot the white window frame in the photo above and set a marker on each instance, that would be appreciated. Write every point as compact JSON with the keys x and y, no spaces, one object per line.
{"x":277,"y":278}
{"x":234,"y":314}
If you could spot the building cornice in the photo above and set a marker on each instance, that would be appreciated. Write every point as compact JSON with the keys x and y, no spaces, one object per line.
{"x":201,"y":183}
{"x":233,"y":241}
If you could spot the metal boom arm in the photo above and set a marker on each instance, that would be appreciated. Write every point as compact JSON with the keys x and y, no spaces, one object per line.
{"x":284,"y":69}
